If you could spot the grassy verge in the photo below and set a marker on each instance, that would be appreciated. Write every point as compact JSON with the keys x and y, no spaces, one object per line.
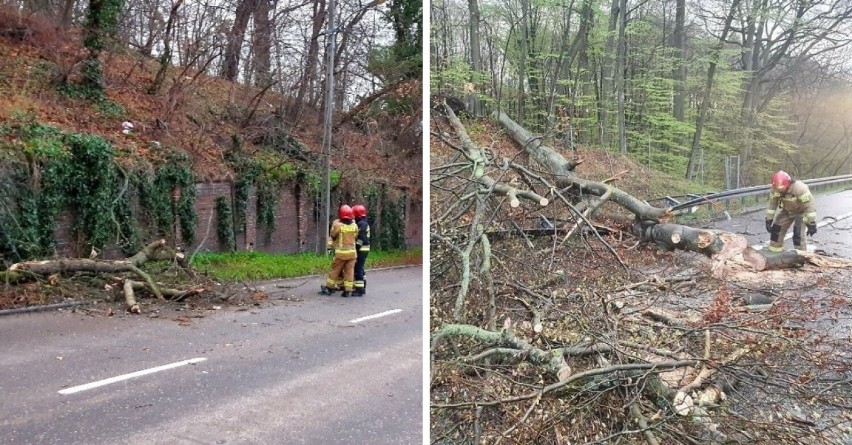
{"x":267,"y":266}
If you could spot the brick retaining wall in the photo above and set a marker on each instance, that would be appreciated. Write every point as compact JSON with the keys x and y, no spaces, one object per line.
{"x":296,"y":224}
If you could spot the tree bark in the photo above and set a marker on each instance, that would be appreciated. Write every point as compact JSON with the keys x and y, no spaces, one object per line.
{"x":475,"y":57}
{"x":309,"y":74}
{"x":620,"y":72}
{"x":607,"y":76}
{"x":262,"y":43}
{"x":231,"y":63}
{"x":679,"y":45}
{"x":166,"y":57}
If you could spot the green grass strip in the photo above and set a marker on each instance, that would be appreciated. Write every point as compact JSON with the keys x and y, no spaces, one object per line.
{"x":266,"y":266}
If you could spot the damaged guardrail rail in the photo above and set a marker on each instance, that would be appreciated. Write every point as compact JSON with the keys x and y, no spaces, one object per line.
{"x":693,"y":201}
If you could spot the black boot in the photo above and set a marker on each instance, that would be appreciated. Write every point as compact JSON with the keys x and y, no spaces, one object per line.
{"x":346,"y":294}
{"x":324,"y":290}
{"x":358,"y":292}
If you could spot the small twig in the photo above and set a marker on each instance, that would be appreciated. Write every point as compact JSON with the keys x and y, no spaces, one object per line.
{"x":477,"y":425}
{"x":522,"y":420}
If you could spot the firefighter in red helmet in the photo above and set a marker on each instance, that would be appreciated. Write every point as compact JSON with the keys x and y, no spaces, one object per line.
{"x":363,"y":247}
{"x":343,"y":234}
{"x":790,"y":201}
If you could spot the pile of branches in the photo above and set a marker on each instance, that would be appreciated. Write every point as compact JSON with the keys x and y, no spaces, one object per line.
{"x":126,"y":275}
{"x":550,"y":327}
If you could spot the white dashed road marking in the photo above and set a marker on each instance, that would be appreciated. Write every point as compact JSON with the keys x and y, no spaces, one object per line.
{"x":132,"y":375}
{"x":380,"y":314}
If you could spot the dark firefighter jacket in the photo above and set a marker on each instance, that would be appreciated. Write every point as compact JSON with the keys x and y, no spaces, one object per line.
{"x":363,"y":242}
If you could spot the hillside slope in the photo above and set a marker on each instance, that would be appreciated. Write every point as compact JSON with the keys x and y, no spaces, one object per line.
{"x":199,"y":114}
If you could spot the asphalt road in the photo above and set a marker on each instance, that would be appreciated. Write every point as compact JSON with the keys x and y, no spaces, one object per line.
{"x":832,"y":237}
{"x":299,"y":369}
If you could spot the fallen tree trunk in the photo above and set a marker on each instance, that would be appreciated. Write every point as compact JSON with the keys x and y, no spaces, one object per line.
{"x":155,"y":251}
{"x":565,"y":176}
{"x":650,"y":221}
{"x":474,"y":153}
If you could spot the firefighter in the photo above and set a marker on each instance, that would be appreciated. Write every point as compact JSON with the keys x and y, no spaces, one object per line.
{"x":363,"y":245}
{"x":795,"y":201}
{"x":343,"y":234}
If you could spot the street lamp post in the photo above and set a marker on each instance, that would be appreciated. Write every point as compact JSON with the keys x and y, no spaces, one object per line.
{"x":329,"y":107}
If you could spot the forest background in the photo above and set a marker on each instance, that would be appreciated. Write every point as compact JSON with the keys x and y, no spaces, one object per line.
{"x":678,"y":85}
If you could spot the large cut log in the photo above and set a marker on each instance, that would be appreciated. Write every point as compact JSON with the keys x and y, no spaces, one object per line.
{"x":761,"y":260}
{"x":718,"y":245}
{"x":773,"y":260}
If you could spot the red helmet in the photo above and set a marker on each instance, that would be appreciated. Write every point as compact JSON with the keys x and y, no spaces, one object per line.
{"x":345,"y":212}
{"x":781,"y":180}
{"x":360,"y":211}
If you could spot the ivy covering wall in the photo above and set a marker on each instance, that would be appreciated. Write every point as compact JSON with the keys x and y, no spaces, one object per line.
{"x":47,"y":176}
{"x":47,"y":172}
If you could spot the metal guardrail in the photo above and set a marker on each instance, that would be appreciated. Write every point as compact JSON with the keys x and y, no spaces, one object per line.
{"x":694,"y":201}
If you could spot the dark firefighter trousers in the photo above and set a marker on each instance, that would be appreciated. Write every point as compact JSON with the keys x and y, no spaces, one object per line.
{"x":782,"y":223}
{"x":360,"y":281}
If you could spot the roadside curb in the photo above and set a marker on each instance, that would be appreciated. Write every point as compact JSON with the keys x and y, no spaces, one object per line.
{"x":305,"y":277}
{"x":42,"y":308}
{"x":48,"y":307}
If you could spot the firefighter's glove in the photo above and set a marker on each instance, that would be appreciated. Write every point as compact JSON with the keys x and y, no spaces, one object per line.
{"x":769,"y":225}
{"x":812,"y":229}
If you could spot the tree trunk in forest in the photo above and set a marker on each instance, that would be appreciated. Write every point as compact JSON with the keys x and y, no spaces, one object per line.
{"x":679,"y":45}
{"x":581,"y":40}
{"x":565,"y":58}
{"x":234,"y":45}
{"x":607,"y":75}
{"x":475,"y":105}
{"x":166,"y":57}
{"x":692,"y":166}
{"x":309,"y":73}
{"x":262,"y":43}
{"x":752,"y":55}
{"x":155,"y":23}
{"x":68,"y":13}
{"x":347,"y":32}
{"x":523,"y":45}
{"x":620,"y":65}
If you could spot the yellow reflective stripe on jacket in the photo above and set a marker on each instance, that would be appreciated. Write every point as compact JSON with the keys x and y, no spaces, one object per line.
{"x":364,"y":248}
{"x":770,"y":212}
{"x":806,"y":197}
{"x":774,"y":194}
